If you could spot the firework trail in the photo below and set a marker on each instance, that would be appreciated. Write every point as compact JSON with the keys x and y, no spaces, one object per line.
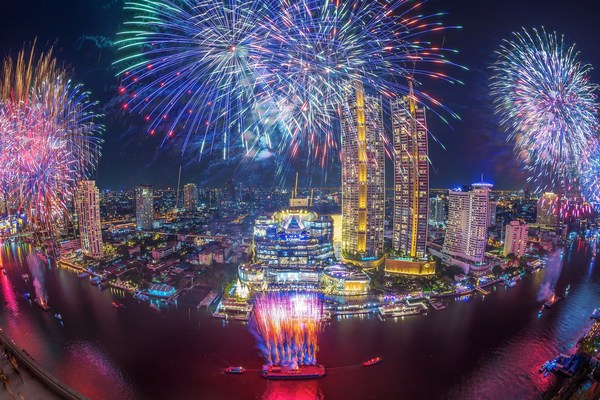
{"x":546,"y":103}
{"x":274,"y":73}
{"x":286,"y":326}
{"x":48,"y":135}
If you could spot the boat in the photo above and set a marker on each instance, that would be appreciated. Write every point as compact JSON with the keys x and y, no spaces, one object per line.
{"x":235,"y":370}
{"x":541,"y":310}
{"x":298,"y":372}
{"x":399,"y":310}
{"x":141,"y":296}
{"x":154,"y":307}
{"x":596,"y":313}
{"x":118,"y":306}
{"x":551,"y":301}
{"x":372,"y":361}
{"x":25,"y":277}
{"x":567,"y":289}
{"x":58,"y":317}
{"x":95,"y":280}
{"x":42,"y":304}
{"x":27,"y":296}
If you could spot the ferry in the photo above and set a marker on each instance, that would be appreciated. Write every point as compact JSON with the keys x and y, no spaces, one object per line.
{"x":551,"y":301}
{"x":235,"y":370}
{"x":372,"y":361}
{"x":298,"y":372}
{"x":42,"y":304}
{"x":398,"y":310}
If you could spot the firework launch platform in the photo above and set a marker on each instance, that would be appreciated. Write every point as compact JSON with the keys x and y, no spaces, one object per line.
{"x":299,"y":372}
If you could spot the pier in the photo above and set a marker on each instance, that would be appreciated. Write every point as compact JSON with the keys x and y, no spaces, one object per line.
{"x":208,"y":300}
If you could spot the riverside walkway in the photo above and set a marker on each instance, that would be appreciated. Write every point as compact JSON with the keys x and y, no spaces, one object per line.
{"x":32,"y":382}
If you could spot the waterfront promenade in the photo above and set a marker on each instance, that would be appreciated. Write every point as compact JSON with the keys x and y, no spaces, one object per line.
{"x":31,"y":382}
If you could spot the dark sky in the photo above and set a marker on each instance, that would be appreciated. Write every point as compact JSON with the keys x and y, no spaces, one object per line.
{"x":82,"y":32}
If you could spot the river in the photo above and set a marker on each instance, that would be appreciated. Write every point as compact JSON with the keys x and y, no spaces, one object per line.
{"x":487,"y":347}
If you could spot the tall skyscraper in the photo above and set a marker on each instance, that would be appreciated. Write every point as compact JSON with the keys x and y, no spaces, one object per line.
{"x":87,"y":205}
{"x":515,"y":240}
{"x":466,"y":233}
{"x":230,"y":191}
{"x":411,"y":177}
{"x":144,"y":207}
{"x":546,"y":209}
{"x":437,"y":211}
{"x":363,"y":179}
{"x":190,"y":197}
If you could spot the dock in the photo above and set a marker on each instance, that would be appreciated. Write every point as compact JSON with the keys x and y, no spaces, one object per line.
{"x":483,"y":291}
{"x":208,"y":300}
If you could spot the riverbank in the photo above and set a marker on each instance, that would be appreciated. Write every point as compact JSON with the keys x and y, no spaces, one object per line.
{"x":585,"y":382}
{"x":27,"y":379}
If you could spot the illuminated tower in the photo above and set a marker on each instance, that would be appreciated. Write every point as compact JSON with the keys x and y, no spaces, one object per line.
{"x":87,"y":204}
{"x":363,"y":179}
{"x":190,"y":196}
{"x":411,"y":177}
{"x":466,"y":233}
{"x":144,"y":207}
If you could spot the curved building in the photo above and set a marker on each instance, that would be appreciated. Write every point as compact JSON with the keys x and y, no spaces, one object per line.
{"x":293,"y":238}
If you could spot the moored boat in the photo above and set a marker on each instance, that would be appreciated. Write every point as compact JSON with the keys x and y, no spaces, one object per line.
{"x":372,"y":361}
{"x":235,"y":370}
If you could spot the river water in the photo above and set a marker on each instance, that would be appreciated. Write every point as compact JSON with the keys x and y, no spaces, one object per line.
{"x":486,"y":347}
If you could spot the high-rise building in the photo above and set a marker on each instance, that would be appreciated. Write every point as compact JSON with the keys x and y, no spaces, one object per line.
{"x":546,"y":209}
{"x":492,"y":212}
{"x":144,"y":207}
{"x":466,"y":233}
{"x":437,"y":211}
{"x":190,"y":197}
{"x":363,"y":179}
{"x":87,"y":205}
{"x":526,"y":193}
{"x":515,"y":240}
{"x":411,"y":177}
{"x":230,"y":191}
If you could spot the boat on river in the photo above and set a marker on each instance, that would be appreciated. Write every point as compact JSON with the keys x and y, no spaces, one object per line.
{"x":372,"y":361}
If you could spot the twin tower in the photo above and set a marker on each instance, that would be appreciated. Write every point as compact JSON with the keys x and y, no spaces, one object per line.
{"x":363,"y":178}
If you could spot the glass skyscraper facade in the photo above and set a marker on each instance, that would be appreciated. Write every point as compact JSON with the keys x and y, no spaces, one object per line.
{"x":363,"y":178}
{"x":411,"y":177}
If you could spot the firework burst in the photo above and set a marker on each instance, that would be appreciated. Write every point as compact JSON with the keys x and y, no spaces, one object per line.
{"x":272,"y":73}
{"x":546,"y":103}
{"x":49,"y":137}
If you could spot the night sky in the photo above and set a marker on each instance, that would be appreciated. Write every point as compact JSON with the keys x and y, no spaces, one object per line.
{"x":83,"y":31}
